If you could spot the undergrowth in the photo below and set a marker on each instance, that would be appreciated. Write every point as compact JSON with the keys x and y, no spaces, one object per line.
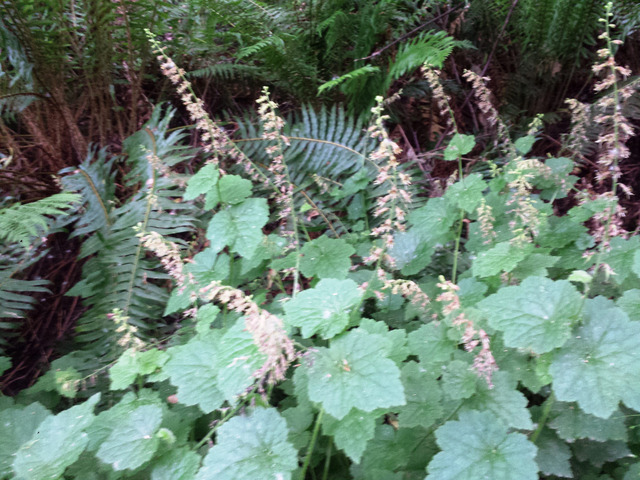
{"x":324,"y":320}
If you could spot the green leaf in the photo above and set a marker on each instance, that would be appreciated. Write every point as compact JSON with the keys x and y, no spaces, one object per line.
{"x":536,"y":315}
{"x":324,"y":309}
{"x":233,"y":189}
{"x":459,"y":380}
{"x":424,"y":398}
{"x":354,"y":373}
{"x":458,"y":146}
{"x":478,"y":446}
{"x":18,"y":426}
{"x":535,"y":265}
{"x":553,"y":455}
{"x":633,"y":473}
{"x":5,"y":364}
{"x":352,"y":433}
{"x":57,"y":443}
{"x":621,"y":256}
{"x":212,"y":368}
{"x":599,"y":453}
{"x":635,"y":267}
{"x":178,"y":464}
{"x":390,"y":450}
{"x":600,"y":365}
{"x":467,"y":193}
{"x":238,"y":359}
{"x":503,"y":257}
{"x":503,"y":400}
{"x":411,"y":251}
{"x":432,"y":344}
{"x":254,"y":446}
{"x":524,"y":144}
{"x":133,"y":442}
{"x":108,"y":420}
{"x":239,"y":227}
{"x":571,"y":423}
{"x":326,"y":257}
{"x":434,"y":220}
{"x":193,"y":368}
{"x":124,"y":372}
{"x":630,"y":303}
{"x":133,"y":363}
{"x":202,"y":182}
{"x":397,"y":339}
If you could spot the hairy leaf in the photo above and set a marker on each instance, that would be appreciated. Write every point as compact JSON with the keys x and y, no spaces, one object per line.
{"x":326,"y":257}
{"x":254,"y":446}
{"x":537,"y":314}
{"x":325,"y":309}
{"x":600,"y":366}
{"x":133,"y":442}
{"x":56,"y":444}
{"x":352,"y":373}
{"x":478,"y":446}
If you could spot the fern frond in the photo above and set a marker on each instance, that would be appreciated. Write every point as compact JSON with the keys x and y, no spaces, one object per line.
{"x":325,"y":142}
{"x":432,"y":48}
{"x":118,"y":274}
{"x":273,"y":41}
{"x":19,"y":223}
{"x":17,"y":295}
{"x":358,"y":72}
{"x":228,"y":71}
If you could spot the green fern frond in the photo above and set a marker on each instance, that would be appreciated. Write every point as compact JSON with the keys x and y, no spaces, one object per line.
{"x":228,"y":71}
{"x":21,"y":222}
{"x":326,"y":142}
{"x":17,"y":296}
{"x":272,"y":41}
{"x":93,"y":179}
{"x":358,"y":72}
{"x":118,"y":274}
{"x":432,"y":48}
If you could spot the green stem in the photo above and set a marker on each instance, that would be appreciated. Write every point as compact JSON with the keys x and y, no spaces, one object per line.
{"x":456,"y":252}
{"x":543,"y":419}
{"x":327,"y":462}
{"x":209,"y":434}
{"x":312,"y":444}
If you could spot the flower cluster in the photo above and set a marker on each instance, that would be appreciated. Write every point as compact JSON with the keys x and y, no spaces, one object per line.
{"x":169,"y":254}
{"x":433,"y":78}
{"x":129,"y":337}
{"x":409,"y":290}
{"x":527,"y":217}
{"x":483,"y":363}
{"x":266,"y":329}
{"x":578,"y":137}
{"x":214,"y":139}
{"x":272,"y":125}
{"x":607,"y":223}
{"x":486,"y":219}
{"x":617,"y":129}
{"x":483,"y":95}
{"x":393,"y":203}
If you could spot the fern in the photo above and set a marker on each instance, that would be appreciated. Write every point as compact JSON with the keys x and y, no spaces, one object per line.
{"x":358,"y":72}
{"x":273,"y":41}
{"x":228,"y":71}
{"x":118,"y":275}
{"x":21,"y":227}
{"x":19,"y":223}
{"x":432,"y":48}
{"x":17,"y":296}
